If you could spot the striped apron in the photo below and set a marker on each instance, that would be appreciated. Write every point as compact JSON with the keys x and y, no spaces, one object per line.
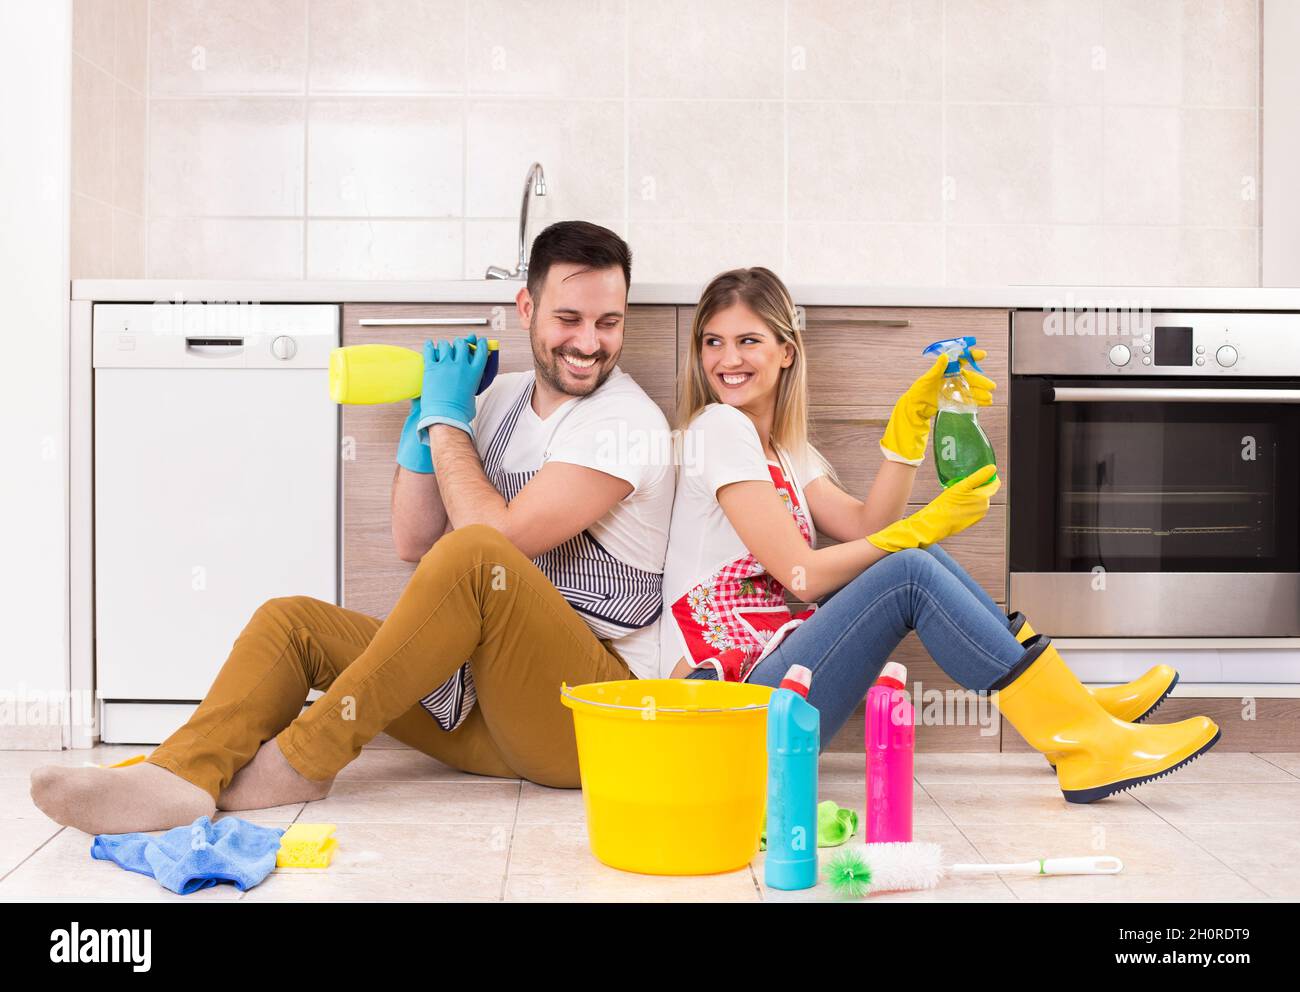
{"x":611,"y":596}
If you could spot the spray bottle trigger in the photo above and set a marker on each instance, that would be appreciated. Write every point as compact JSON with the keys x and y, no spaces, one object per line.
{"x":965,"y":344}
{"x":956,"y":349}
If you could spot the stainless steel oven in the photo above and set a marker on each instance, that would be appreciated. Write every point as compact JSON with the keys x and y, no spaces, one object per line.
{"x":1155,"y":473}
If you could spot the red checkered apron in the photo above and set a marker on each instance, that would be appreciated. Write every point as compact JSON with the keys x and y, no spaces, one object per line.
{"x":732,"y":619}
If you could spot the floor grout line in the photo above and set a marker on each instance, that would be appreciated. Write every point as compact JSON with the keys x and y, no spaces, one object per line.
{"x":1262,"y":755}
{"x":35,"y":851}
{"x":753,"y":876}
{"x":975,"y":847}
{"x":1196,"y":843}
{"x":969,"y":840}
{"x":937,"y":804}
{"x":510,"y":844}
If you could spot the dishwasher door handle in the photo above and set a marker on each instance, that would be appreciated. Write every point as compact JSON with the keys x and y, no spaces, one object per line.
{"x":214,"y":347}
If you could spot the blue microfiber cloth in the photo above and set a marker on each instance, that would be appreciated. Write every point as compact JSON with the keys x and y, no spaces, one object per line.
{"x":186,"y":859}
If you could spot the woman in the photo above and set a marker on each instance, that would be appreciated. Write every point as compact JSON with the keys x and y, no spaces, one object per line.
{"x":751,"y":495}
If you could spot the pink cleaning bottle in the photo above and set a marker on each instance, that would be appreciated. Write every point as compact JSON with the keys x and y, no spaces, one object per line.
{"x":890,"y":739}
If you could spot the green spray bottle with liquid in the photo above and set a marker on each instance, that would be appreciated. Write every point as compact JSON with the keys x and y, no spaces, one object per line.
{"x":960,"y":444}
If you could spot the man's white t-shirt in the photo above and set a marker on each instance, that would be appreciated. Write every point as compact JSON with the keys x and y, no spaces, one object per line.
{"x":719,"y":447}
{"x":617,"y":430}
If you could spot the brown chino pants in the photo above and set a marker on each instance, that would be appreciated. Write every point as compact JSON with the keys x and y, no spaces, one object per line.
{"x":473,"y":596}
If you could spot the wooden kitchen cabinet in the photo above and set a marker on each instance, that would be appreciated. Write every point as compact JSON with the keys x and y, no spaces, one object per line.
{"x":373,"y":575}
{"x":870,"y":355}
{"x":850,"y":437}
{"x":981,"y":550}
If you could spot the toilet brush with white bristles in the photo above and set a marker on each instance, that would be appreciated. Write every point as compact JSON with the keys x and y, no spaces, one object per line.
{"x":900,"y":867}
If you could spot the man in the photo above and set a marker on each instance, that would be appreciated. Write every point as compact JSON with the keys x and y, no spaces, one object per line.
{"x":551,"y":572}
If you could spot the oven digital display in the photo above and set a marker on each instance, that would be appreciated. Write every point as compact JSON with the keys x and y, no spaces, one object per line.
{"x":1173,"y":345}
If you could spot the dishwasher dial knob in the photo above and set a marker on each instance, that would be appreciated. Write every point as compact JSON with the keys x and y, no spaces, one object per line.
{"x":1226,"y":356}
{"x":284,"y":347}
{"x":1119,"y":355}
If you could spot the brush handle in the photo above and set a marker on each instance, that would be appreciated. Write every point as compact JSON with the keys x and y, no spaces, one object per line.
{"x":1103,"y":864}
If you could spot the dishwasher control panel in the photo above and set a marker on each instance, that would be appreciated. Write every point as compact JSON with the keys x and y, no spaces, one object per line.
{"x":214,"y":335}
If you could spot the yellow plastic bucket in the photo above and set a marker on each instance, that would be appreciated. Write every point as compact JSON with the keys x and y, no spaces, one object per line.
{"x":674,"y":772}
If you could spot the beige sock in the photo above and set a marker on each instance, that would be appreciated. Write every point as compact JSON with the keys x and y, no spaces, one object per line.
{"x":269,"y":780}
{"x":118,"y":800}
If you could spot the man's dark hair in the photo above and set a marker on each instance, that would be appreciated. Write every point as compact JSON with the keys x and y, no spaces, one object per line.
{"x":579,"y":243}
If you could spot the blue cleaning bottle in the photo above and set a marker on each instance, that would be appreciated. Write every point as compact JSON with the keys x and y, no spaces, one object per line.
{"x":960,"y":444}
{"x":793,"y":746}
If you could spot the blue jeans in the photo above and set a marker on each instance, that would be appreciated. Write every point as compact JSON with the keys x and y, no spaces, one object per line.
{"x":847,"y":641}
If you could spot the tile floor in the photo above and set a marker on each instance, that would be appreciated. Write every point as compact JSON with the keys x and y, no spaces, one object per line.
{"x":1224,"y":828}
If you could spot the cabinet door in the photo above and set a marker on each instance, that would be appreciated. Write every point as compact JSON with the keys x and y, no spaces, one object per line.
{"x":981,"y":550}
{"x":870,"y":355}
{"x":849,"y":437}
{"x":373,"y":575}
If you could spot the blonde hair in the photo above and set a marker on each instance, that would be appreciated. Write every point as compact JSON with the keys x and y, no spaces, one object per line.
{"x":763,"y":292}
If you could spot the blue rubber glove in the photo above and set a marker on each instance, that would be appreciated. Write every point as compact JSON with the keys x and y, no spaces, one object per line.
{"x":451,"y":376}
{"x":412,"y":453}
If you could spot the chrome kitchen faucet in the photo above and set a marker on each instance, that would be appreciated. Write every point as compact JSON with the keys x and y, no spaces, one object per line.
{"x":534,"y":182}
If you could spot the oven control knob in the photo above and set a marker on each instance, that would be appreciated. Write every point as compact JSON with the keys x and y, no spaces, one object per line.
{"x":1226,"y":356}
{"x":1119,"y":355}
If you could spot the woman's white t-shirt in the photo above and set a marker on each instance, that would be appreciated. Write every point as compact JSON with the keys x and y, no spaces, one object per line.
{"x":719,"y":447}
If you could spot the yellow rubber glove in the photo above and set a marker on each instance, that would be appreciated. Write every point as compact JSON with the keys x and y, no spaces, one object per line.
{"x":951,"y":512}
{"x":909,"y":425}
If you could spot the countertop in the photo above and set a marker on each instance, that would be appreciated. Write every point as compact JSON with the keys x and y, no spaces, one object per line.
{"x":501,"y":291}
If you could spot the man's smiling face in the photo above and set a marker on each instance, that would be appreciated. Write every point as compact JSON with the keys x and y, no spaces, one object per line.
{"x":576,"y":327}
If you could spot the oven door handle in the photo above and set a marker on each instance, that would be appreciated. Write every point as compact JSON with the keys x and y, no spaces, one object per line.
{"x":1156,"y":394}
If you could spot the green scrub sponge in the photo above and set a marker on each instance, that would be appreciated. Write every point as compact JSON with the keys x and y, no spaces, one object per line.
{"x":835,"y":825}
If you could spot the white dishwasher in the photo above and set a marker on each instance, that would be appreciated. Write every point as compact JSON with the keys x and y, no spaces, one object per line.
{"x":216,"y":487}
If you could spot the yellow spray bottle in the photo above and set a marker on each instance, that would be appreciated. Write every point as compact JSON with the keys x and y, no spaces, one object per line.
{"x":388,"y":373}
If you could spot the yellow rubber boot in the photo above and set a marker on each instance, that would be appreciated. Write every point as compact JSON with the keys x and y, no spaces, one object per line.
{"x":1096,"y":754}
{"x":1133,"y":701}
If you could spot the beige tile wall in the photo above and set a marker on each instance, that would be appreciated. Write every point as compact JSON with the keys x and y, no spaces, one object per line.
{"x":839,"y":141}
{"x":109,"y":45}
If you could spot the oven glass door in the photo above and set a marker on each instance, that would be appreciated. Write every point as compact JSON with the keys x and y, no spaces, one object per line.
{"x":1153,"y":484}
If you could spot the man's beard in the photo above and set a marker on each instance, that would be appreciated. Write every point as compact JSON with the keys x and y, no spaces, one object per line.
{"x":550,"y":370}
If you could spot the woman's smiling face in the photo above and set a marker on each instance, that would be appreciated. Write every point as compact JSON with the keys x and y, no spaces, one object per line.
{"x":742,"y":357}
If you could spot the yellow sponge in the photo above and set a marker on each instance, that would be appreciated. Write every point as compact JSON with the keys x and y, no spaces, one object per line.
{"x":307,"y":845}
